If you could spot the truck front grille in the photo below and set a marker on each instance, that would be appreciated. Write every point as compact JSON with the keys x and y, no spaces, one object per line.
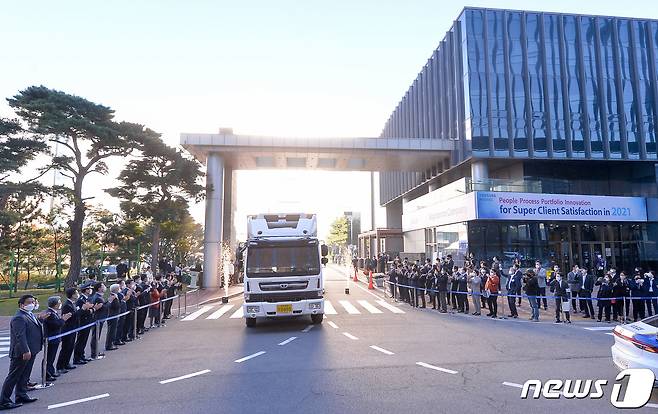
{"x":283,"y":296}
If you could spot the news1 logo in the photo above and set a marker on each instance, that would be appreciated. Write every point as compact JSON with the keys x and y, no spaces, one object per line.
{"x":637,"y":385}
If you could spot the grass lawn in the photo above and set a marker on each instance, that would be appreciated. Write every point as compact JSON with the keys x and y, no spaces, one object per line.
{"x":8,"y":306}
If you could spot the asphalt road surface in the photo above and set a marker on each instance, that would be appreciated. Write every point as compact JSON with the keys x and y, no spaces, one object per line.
{"x":371,"y":355}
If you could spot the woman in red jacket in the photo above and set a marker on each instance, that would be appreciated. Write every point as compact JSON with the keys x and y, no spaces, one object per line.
{"x":154,"y":310}
{"x":491,"y":288}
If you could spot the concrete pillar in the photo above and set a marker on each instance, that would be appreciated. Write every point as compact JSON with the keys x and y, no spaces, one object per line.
{"x":228,"y":226}
{"x":394,"y":214}
{"x":213,"y":226}
{"x":479,"y":174}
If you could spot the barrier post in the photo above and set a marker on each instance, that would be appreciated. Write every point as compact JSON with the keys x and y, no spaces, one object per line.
{"x":135,"y":335}
{"x":160,"y":313}
{"x":370,"y":286}
{"x":179,"y":306}
{"x":44,"y":361}
{"x":197,"y":298}
{"x":185,"y":300}
{"x":356,"y":271}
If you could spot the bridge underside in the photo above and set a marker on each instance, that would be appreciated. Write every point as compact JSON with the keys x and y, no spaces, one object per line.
{"x":224,"y":153}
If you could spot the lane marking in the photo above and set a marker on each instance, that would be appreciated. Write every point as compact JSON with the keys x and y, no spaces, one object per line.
{"x":238,"y":313}
{"x":5,"y":342}
{"x":609,"y":333}
{"x":329,"y":308}
{"x":182,"y":377}
{"x":287,"y":341}
{"x":308,"y":328}
{"x":600,"y":328}
{"x":513,"y":384}
{"x":81,"y":400}
{"x":349,"y":307}
{"x":248,"y":357}
{"x":3,"y":355}
{"x":333,"y":325}
{"x":434,"y":367}
{"x":651,"y":405}
{"x":382,"y":350}
{"x":390,"y":307}
{"x":192,"y":316}
{"x":4,"y":349}
{"x":368,"y":306}
{"x":349,"y":335}
{"x":219,"y":312}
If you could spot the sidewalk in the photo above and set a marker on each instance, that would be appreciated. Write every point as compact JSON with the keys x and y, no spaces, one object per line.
{"x":214,"y":294}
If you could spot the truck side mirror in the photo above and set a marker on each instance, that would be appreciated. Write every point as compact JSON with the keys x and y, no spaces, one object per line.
{"x":324,"y":260}
{"x":238,"y":255}
{"x":324,"y":250}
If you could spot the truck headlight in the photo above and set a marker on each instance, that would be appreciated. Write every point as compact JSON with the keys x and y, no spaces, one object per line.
{"x":253,"y":309}
{"x":315,"y":305}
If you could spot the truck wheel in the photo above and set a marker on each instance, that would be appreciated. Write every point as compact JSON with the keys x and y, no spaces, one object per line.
{"x":251,"y":322}
{"x":317,"y":318}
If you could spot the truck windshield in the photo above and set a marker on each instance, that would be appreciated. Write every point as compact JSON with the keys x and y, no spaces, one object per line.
{"x":287,"y":260}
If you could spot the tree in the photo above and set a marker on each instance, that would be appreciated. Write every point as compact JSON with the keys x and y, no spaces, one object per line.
{"x":181,"y":238}
{"x":88,"y":135}
{"x":157,"y":187}
{"x":16,"y":150}
{"x":338,"y":232}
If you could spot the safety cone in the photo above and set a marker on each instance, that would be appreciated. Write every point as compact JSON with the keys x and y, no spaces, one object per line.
{"x":370,"y":286}
{"x":356,"y":279}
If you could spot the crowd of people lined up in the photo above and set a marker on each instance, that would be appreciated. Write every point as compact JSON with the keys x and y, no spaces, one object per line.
{"x":89,"y":303}
{"x":624,"y":297}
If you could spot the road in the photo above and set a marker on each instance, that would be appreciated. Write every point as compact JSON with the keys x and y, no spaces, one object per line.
{"x":388,"y":357}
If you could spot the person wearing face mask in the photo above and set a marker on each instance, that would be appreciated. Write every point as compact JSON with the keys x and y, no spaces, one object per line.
{"x":475,"y":282}
{"x":620,"y":291}
{"x":586,"y":290}
{"x":575,"y":280}
{"x":560,"y":288}
{"x":443,"y":280}
{"x":492,"y":287}
{"x":100,"y":312}
{"x":86,"y":317}
{"x":128,"y":333}
{"x":53,"y":324}
{"x":637,"y":292}
{"x":25,"y":343}
{"x":68,"y":341}
{"x":603,"y":296}
{"x":513,"y":285}
{"x":540,"y":272}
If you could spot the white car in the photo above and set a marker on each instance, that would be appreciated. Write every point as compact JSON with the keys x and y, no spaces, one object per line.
{"x":636,"y":345}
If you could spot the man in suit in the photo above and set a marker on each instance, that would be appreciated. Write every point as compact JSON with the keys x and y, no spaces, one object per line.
{"x":53,"y":324}
{"x":513,"y":285}
{"x":575,"y":281}
{"x":561,"y":289}
{"x":86,"y":317}
{"x":24,"y":345}
{"x":68,"y":341}
{"x":586,"y":290}
{"x":100,"y":312}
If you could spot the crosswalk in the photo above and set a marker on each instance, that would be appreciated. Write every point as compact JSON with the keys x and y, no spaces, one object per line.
{"x":4,"y":344}
{"x":359,"y":307}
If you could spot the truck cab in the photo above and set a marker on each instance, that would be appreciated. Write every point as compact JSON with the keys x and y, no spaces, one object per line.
{"x":283,"y":265}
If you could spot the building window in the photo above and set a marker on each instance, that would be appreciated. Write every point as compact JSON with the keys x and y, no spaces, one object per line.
{"x":536,"y":72}
{"x":499,"y":96}
{"x":517,"y":83}
{"x":609,"y":79}
{"x":574,"y":86}
{"x":629,"y":93}
{"x":556,"y":97}
{"x":477,"y":82}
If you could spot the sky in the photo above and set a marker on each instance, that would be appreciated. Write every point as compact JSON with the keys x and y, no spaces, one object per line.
{"x":284,"y":68}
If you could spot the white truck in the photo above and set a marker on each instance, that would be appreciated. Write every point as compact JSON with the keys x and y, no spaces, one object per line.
{"x":282,"y":261}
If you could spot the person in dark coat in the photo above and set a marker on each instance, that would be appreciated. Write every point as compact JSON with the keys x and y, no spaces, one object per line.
{"x":586,"y":293}
{"x":68,"y":341}
{"x":560,"y":287}
{"x":532,"y":290}
{"x":392,"y":279}
{"x":604,"y":294}
{"x":442,"y":290}
{"x":113,"y":309}
{"x":86,"y":317}
{"x":53,"y":324}
{"x":100,"y":313}
{"x":25,"y":343}
{"x":620,"y":291}
{"x":421,"y":285}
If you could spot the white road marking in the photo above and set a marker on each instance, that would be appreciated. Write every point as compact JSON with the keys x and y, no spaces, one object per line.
{"x":382,"y":350}
{"x":333,"y":325}
{"x":329,"y":308}
{"x":3,"y":355}
{"x":182,"y":377}
{"x":349,"y":307}
{"x":349,"y":335}
{"x":390,"y":307}
{"x":4,"y":342}
{"x":65,"y":404}
{"x":248,"y":357}
{"x":609,"y":333}
{"x":308,"y":328}
{"x":219,"y":312}
{"x":651,"y":405}
{"x":4,"y":349}
{"x":434,"y":367}
{"x":600,"y":328}
{"x":368,"y":306}
{"x":238,"y":313}
{"x":513,"y":384}
{"x":192,"y":316}
{"x":287,"y":341}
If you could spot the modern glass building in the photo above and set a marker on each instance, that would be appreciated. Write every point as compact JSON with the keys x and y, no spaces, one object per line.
{"x":545,"y":110}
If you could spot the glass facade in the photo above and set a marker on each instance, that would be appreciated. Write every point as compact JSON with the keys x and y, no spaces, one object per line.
{"x":509,"y":83}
